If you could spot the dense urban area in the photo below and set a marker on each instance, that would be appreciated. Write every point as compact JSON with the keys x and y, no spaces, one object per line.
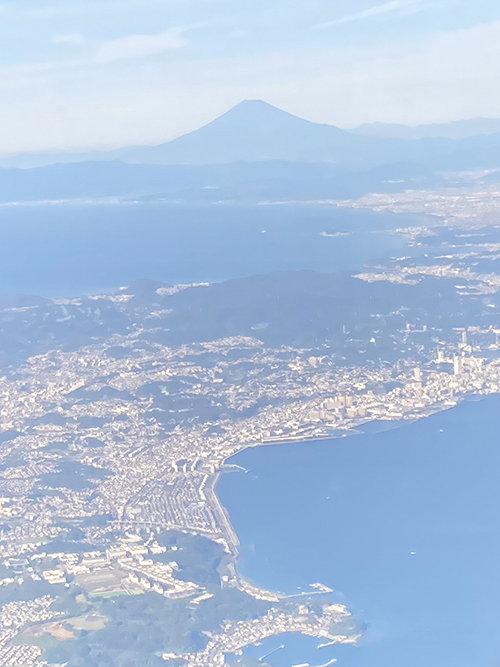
{"x":118,"y":418}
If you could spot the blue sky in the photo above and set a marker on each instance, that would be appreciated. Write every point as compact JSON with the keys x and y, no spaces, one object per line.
{"x":81,"y":74}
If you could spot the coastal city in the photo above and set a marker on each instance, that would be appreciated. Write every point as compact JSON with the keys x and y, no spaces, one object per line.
{"x":111,"y":450}
{"x":472,"y":205}
{"x":105,"y":438}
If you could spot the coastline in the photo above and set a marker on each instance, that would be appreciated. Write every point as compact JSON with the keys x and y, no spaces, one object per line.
{"x":409,"y":554}
{"x":222,"y":514}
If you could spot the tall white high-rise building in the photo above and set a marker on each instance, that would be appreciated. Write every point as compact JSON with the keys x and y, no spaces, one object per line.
{"x":458,"y":365}
{"x":440,"y":356}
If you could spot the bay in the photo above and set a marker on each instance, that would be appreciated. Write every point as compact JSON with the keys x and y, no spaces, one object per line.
{"x":70,"y":249}
{"x":404,"y":524}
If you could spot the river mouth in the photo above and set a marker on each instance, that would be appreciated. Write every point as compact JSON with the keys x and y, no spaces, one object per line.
{"x":402,"y":524}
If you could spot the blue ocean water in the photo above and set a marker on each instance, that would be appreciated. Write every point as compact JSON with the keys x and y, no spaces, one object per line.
{"x":62,"y":250}
{"x":404,"y":524}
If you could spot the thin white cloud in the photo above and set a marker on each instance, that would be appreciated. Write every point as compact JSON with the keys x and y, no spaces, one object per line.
{"x":14,"y":10}
{"x":393,"y":6}
{"x":139,"y":46}
{"x":73,"y":39}
{"x":130,"y":47}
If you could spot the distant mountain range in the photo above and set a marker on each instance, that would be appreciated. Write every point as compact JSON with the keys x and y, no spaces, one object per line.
{"x":457,"y":130}
{"x":254,"y":131}
{"x":254,"y":152}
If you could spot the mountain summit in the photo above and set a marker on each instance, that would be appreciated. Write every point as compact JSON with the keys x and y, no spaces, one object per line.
{"x":253,"y":113}
{"x":251,"y":131}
